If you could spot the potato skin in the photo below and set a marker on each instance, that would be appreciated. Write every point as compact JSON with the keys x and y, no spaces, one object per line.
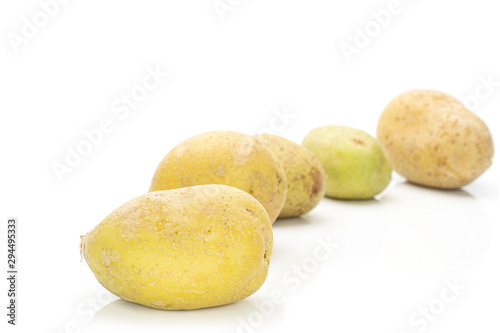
{"x":433,"y":140}
{"x":353,"y":160}
{"x":228,"y":158}
{"x":306,"y":178}
{"x":183,"y":249}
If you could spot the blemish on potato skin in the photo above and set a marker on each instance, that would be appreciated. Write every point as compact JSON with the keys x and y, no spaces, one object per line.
{"x":316,"y":181}
{"x":297,"y":162}
{"x":358,"y":142}
{"x":220,"y":171}
{"x":225,"y":157}
{"x":351,"y":167}
{"x":450,"y":126}
{"x":189,"y":255}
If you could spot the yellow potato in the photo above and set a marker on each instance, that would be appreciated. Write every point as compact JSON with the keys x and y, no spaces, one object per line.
{"x":305,"y":175}
{"x":433,"y":140}
{"x":182,"y":249}
{"x":227,"y":158}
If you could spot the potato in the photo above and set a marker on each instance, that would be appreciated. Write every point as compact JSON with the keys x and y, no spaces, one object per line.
{"x":182,"y":249}
{"x":305,"y":175}
{"x":353,"y":160}
{"x":433,"y":140}
{"x":227,"y":158}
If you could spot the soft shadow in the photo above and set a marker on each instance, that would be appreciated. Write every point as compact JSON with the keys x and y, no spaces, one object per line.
{"x":216,"y":319}
{"x":435,"y":231}
{"x":291,"y":222}
{"x":459,"y":192}
{"x":355,"y":202}
{"x":136,"y":313}
{"x":421,"y":230}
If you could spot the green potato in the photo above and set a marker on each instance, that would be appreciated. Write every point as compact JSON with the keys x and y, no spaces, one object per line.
{"x":353,"y":160}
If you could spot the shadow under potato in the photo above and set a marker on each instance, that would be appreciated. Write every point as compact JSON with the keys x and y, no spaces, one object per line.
{"x":458,"y":192}
{"x":357,"y":202}
{"x":434,"y":231}
{"x":290,"y":222}
{"x":452,"y":191}
{"x":128,"y":314}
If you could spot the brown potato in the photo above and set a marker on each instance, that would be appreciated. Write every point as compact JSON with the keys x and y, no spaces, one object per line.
{"x":433,"y":140}
{"x":305,"y":175}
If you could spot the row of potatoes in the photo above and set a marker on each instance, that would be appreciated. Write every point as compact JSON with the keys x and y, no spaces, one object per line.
{"x":203,"y":235}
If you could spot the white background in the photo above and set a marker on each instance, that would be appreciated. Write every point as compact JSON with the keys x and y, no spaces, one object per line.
{"x":395,"y":254}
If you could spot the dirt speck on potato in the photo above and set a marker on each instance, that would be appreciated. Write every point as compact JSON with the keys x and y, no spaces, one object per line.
{"x":305,"y":176}
{"x":434,"y":149}
{"x":210,"y":246}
